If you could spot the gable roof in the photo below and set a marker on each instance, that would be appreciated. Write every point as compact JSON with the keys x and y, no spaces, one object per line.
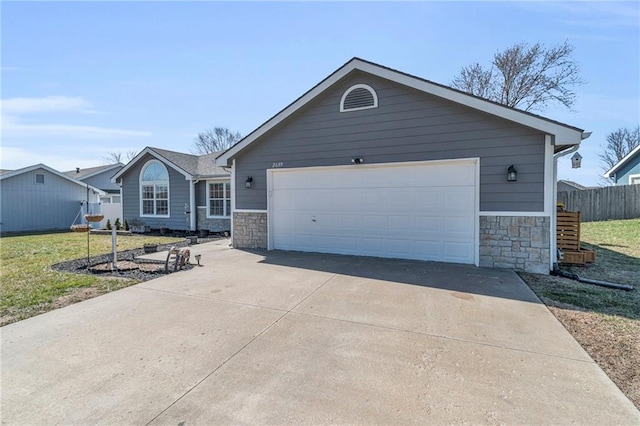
{"x":28,"y":169}
{"x":92,"y":171}
{"x":563,"y":134}
{"x":622,"y":162}
{"x":572,"y":183}
{"x":189,"y":165}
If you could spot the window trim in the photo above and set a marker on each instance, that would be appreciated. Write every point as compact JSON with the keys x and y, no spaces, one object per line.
{"x":632,"y":177}
{"x":154,"y":183}
{"x":35,"y":179}
{"x":359,"y":86}
{"x":208,"y":205}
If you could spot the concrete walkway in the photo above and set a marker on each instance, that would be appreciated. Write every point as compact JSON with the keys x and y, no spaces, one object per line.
{"x":278,"y":337}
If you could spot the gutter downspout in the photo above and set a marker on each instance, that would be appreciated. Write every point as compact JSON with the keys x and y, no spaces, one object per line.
{"x":571,"y":150}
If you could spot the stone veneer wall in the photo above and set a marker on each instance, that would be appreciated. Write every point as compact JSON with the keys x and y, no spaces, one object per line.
{"x":516,"y":242}
{"x":250,"y":230}
{"x":211,"y":225}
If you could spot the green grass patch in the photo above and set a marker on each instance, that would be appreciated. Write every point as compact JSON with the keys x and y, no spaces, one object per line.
{"x":621,"y":236}
{"x":29,"y":286}
{"x":617,"y":247}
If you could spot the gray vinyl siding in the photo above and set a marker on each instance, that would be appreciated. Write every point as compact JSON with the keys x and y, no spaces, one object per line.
{"x":408,"y":125}
{"x":103,"y":181}
{"x":26,"y":206}
{"x":178,"y":197}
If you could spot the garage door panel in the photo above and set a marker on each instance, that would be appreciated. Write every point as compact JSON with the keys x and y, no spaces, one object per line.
{"x":457,"y":251}
{"x":392,"y":211}
{"x":373,"y":245}
{"x":431,"y":200}
{"x":397,"y":223}
{"x":458,"y":224}
{"x":399,"y":247}
{"x":373,"y":223}
{"x":428,"y":223}
{"x":428,"y":250}
{"x":372,"y":199}
{"x":459,"y":199}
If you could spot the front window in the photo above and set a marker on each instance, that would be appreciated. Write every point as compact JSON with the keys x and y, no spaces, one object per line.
{"x":154,"y":190}
{"x":219,"y":199}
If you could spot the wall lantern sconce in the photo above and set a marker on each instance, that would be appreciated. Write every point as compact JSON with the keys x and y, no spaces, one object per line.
{"x":576,"y":160}
{"x":247,"y":183}
{"x":512,"y":174}
{"x":357,"y":160}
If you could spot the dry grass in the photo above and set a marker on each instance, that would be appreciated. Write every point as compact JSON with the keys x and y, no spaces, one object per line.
{"x":604,"y":321}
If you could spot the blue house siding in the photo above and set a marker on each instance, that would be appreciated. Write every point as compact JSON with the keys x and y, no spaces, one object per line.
{"x":178,"y":196}
{"x":103,"y":181}
{"x":408,"y":125}
{"x":26,"y":206}
{"x":632,"y":167}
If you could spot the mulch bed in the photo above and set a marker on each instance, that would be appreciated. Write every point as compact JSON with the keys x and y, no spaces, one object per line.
{"x":129,"y":265}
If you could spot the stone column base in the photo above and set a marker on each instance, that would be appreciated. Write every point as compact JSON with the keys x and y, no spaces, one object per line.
{"x":515,"y":242}
{"x":250,"y":230}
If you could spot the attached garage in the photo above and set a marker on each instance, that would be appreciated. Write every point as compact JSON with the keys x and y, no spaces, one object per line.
{"x":422,"y":211}
{"x":376,"y":162}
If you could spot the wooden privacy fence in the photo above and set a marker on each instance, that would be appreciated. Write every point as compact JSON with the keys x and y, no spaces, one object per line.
{"x":607,"y":203}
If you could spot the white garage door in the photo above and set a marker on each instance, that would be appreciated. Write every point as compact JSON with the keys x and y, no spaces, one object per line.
{"x":423,"y":211}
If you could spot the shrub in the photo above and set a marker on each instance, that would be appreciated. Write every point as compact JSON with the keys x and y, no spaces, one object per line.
{"x":126,"y":225}
{"x":108,"y":224}
{"x":117,"y":223}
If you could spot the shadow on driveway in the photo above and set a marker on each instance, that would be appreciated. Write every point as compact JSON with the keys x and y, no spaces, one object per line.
{"x":445,"y":276}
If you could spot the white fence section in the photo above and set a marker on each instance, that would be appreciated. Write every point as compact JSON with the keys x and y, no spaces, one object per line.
{"x":111,"y":211}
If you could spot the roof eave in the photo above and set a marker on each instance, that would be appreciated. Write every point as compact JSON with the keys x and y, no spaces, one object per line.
{"x":622,"y":162}
{"x":562,"y":134}
{"x":52,"y":171}
{"x":150,"y":151}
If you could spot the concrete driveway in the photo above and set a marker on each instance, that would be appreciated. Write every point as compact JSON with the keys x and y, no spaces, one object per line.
{"x":278,"y":337}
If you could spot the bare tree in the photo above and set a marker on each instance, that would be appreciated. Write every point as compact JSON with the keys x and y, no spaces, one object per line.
{"x":116,"y":157}
{"x":218,"y":139}
{"x":619,"y":144}
{"x":528,"y":77}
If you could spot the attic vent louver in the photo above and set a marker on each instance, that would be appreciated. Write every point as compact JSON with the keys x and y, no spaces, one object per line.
{"x":358,"y":97}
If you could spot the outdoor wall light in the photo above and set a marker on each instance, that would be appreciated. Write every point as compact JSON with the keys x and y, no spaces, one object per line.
{"x":512,"y":174}
{"x":247,"y":183}
{"x":357,"y":160}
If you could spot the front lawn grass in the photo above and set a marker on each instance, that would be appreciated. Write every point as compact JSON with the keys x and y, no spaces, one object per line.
{"x":606,"y":322}
{"x":28,"y":285}
{"x":617,"y":247}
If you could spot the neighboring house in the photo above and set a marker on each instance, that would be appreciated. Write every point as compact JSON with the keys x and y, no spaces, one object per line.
{"x":100,"y":177}
{"x":568,"y":186}
{"x":376,"y":162}
{"x":172,"y":190}
{"x":39,"y":198}
{"x":627,"y":170}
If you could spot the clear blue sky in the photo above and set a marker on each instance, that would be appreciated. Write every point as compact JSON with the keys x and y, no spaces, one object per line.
{"x":82,"y":79}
